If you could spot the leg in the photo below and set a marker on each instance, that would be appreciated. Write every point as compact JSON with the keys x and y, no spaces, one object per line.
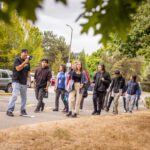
{"x":58,"y":92}
{"x":124,"y":103}
{"x":95,"y":96}
{"x":100,"y":102}
{"x":71,"y":100}
{"x":78,"y":101}
{"x":36,"y":92}
{"x":81,"y":104}
{"x":127,"y":102}
{"x":40,"y":99}
{"x":132,"y":101}
{"x":15,"y":93}
{"x":137,"y":101}
{"x":23,"y":93}
{"x":63,"y":98}
{"x":109,"y":102}
{"x":116,"y":98}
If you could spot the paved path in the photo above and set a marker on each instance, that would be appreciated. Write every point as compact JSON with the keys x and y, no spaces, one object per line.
{"x":48,"y":114}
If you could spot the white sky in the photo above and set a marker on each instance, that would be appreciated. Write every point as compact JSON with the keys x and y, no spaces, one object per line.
{"x":55,"y":16}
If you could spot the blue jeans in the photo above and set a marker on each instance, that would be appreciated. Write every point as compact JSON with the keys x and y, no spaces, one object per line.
{"x":18,"y":88}
{"x":130,"y":99}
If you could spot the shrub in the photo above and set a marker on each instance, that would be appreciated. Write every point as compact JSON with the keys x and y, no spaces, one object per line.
{"x":147,"y":102}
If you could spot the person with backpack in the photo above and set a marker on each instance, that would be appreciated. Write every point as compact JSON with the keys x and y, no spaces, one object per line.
{"x":132,"y":87}
{"x":78,"y":79}
{"x":102,"y":80}
{"x":117,"y":87}
{"x":60,"y":88}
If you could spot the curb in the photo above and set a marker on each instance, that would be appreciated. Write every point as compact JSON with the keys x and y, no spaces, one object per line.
{"x":5,"y":94}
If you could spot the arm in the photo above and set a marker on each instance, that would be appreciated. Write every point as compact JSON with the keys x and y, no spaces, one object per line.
{"x":48,"y":80}
{"x":21,"y":66}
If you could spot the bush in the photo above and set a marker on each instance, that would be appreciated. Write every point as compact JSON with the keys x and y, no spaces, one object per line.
{"x":145,"y":86}
{"x":147,"y":102}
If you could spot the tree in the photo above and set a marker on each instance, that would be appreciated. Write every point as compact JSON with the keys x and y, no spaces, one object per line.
{"x":20,"y":34}
{"x":104,"y":16}
{"x":138,"y":39}
{"x":54,"y":46}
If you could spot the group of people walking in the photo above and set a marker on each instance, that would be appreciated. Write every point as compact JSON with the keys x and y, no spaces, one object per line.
{"x":72,"y":86}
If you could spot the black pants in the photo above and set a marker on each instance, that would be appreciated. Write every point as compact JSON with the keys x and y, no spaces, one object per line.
{"x":39,"y":96}
{"x":109,"y":102}
{"x":98,"y":101}
{"x":60,"y":92}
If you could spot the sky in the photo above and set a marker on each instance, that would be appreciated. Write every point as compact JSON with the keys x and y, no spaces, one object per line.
{"x":54,"y":17}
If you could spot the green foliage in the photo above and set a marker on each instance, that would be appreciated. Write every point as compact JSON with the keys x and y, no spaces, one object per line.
{"x":55,"y":48}
{"x":108,"y":17}
{"x":138,"y":40}
{"x":20,"y":34}
{"x":24,"y":8}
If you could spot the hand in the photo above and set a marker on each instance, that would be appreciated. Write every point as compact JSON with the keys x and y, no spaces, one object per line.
{"x":26,"y":60}
{"x":54,"y":89}
{"x":46,"y":89}
{"x":81,"y":85}
{"x":102,"y":79}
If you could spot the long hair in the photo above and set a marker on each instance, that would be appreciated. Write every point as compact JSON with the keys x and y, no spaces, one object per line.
{"x":81,"y":66}
{"x":102,"y":66}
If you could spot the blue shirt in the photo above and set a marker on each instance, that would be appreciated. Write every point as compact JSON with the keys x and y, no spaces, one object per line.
{"x":61,"y":77}
{"x":132,"y":87}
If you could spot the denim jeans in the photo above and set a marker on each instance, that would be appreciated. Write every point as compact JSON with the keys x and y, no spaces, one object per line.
{"x":18,"y":88}
{"x":130,"y":99}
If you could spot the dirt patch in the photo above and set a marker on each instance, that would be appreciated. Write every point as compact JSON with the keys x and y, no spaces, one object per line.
{"x":122,"y":132}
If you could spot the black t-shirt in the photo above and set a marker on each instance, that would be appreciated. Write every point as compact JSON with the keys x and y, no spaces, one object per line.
{"x":76,"y":77}
{"x":22,"y":75}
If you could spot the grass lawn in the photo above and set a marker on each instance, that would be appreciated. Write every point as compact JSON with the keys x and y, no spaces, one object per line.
{"x":122,"y":132}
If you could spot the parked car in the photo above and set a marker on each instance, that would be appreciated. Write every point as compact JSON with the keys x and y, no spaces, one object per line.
{"x":6,"y":80}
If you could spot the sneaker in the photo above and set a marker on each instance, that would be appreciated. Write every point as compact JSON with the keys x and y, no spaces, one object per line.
{"x":130,"y":111}
{"x":106,"y":109}
{"x":55,"y":109}
{"x":98,"y":113}
{"x":10,"y":114}
{"x":37,"y":111}
{"x":23,"y":112}
{"x":69,"y":114}
{"x":74,"y":115}
{"x":94,"y":113}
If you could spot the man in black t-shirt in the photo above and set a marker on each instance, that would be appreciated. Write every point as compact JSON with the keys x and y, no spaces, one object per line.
{"x":19,"y":82}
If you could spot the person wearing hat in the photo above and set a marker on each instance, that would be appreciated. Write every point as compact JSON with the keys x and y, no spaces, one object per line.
{"x":116,"y":88}
{"x":21,"y":71}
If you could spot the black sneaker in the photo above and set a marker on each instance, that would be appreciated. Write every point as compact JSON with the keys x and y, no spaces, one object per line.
{"x":36,"y":111}
{"x":69,"y":114}
{"x":74,"y":115}
{"x":23,"y":113}
{"x":94,"y":113}
{"x":98,"y":113}
{"x":55,"y":109}
{"x":10,"y":114}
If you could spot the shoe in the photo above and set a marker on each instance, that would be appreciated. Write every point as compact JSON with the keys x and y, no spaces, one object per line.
{"x":98,"y":113}
{"x":69,"y":113}
{"x":42,"y":107}
{"x":10,"y":114}
{"x":37,"y":111}
{"x":55,"y":109}
{"x":74,"y":115}
{"x":23,"y":112}
{"x":130,"y":111}
{"x":94,"y":112}
{"x":106,"y":109}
